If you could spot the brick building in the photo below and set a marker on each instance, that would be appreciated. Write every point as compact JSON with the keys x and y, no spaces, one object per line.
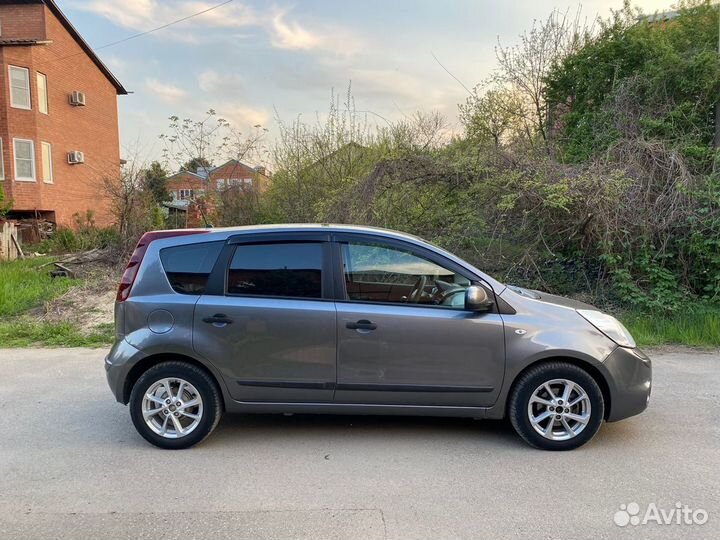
{"x":233,"y":174}
{"x":58,"y":116}
{"x":195,"y":193}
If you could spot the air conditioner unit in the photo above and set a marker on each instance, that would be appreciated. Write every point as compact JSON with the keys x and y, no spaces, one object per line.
{"x":77,"y":99}
{"x":76,"y":157}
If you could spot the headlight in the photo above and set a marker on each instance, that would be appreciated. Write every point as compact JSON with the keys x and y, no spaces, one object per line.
{"x":609,"y":326}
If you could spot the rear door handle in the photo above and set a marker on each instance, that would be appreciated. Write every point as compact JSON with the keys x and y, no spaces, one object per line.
{"x":361,"y":325}
{"x":218,"y":318}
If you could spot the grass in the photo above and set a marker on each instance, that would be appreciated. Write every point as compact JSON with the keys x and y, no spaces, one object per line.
{"x":695,"y":328}
{"x":27,"y":333}
{"x":23,"y":286}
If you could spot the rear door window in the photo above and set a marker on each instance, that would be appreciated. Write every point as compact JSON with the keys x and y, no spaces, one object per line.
{"x":284,"y":270}
{"x":188,"y":267}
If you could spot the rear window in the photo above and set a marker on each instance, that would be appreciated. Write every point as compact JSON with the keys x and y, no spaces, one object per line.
{"x":288,"y":270}
{"x":188,"y":267}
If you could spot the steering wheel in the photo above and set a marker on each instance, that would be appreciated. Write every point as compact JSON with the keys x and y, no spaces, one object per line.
{"x":418,"y":289}
{"x":446,"y":292}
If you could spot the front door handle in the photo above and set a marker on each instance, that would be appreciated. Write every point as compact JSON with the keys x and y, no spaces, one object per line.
{"x":361,"y":325}
{"x":218,"y":318}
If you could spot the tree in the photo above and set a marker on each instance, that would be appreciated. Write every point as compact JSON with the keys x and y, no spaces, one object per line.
{"x":525,"y":67}
{"x":155,"y":182}
{"x":195,"y":163}
{"x":202,"y":143}
{"x":199,"y":143}
{"x":5,"y":207}
{"x":495,"y":115}
{"x":131,"y":205}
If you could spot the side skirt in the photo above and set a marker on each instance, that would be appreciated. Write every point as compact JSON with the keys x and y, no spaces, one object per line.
{"x":351,"y":408}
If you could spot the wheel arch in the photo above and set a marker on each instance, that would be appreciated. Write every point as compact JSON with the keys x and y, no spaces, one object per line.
{"x":591,"y":369}
{"x":152,"y":360}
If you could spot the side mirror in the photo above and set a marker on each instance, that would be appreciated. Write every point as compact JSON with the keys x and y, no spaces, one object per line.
{"x":476,"y":299}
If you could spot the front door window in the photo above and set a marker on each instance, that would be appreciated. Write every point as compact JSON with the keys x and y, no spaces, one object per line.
{"x":378,"y":273}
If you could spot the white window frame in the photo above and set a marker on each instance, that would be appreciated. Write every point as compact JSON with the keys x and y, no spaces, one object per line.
{"x":2,"y":161}
{"x":49,"y":178}
{"x":43,"y":103}
{"x":183,"y":192}
{"x":32,"y":149}
{"x":12,"y":91}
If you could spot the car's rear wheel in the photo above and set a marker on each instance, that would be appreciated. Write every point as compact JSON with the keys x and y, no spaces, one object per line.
{"x":175,"y":405}
{"x":556,"y":406}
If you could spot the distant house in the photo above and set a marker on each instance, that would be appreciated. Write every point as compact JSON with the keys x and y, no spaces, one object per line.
{"x":58,"y":116}
{"x":195,"y":193}
{"x":185,"y":186}
{"x":234,"y":173}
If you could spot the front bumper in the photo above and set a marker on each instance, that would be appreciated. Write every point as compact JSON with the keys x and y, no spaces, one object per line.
{"x":630,"y":382}
{"x":118,"y":363}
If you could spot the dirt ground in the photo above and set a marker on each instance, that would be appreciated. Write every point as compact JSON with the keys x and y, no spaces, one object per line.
{"x":89,"y":305}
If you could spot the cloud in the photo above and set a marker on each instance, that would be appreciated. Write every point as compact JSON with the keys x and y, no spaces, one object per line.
{"x":290,"y":35}
{"x":224,"y":84}
{"x":116,"y":64}
{"x":143,"y":15}
{"x":379,"y":83}
{"x":242,"y":116}
{"x":283,"y":33}
{"x":164,"y":92}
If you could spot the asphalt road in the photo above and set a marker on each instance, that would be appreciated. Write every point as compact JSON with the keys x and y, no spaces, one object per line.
{"x":72,"y":466}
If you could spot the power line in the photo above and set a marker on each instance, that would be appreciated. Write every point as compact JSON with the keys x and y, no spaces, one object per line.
{"x":146,"y":32}
{"x":163,"y":26}
{"x":448,"y":72}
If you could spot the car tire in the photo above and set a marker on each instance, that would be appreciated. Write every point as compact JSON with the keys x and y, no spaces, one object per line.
{"x":194,"y":397}
{"x":572,"y":422}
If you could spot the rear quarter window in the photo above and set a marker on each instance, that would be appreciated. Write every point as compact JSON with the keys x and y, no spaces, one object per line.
{"x":188,"y":267}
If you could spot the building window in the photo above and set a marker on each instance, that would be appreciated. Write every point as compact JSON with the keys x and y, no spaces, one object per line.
{"x":24,"y":151}
{"x":185,"y":194}
{"x":47,"y":168}
{"x":2,"y":162}
{"x":220,"y":183}
{"x":42,"y":93}
{"x":20,"y":87}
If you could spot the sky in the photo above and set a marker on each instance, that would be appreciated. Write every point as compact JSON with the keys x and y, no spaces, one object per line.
{"x":255,"y":61}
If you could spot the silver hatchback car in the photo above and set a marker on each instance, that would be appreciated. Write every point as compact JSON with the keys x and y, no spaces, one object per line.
{"x":356,"y":320}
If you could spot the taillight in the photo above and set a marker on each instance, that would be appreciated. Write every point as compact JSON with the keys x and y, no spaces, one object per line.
{"x":130,"y":273}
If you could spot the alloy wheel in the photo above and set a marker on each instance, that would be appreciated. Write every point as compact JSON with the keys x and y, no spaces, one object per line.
{"x":559,"y":409}
{"x":172,"y":408}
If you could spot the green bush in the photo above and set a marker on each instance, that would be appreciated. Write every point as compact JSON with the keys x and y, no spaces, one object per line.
{"x":83,"y":237}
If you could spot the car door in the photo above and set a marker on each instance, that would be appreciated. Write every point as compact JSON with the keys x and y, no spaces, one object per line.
{"x":404,"y":336}
{"x":271,"y":330}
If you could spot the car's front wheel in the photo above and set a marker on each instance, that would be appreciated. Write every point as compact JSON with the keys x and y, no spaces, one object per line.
{"x":175,"y":405}
{"x":556,"y":406}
